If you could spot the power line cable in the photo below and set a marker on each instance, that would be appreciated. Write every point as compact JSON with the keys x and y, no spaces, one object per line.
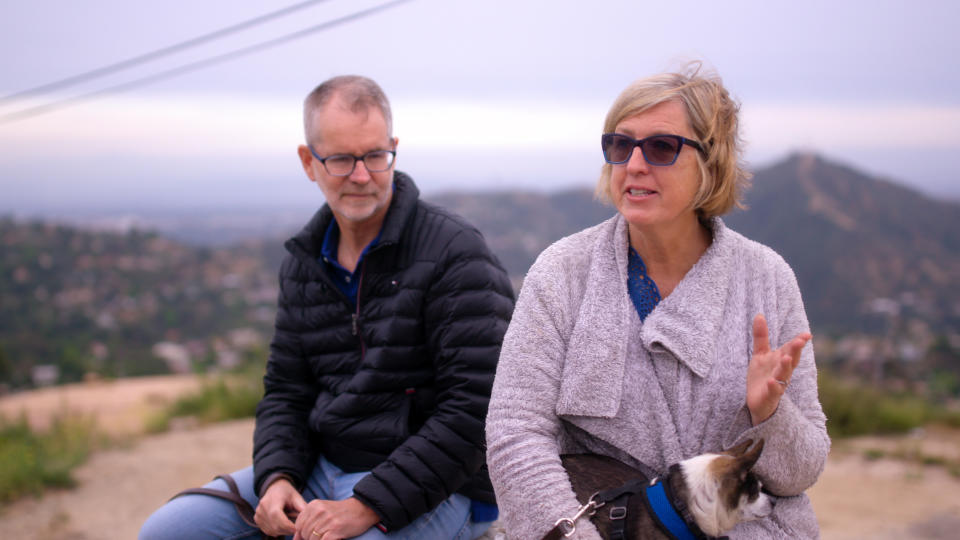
{"x":153,"y":55}
{"x":50,"y":107}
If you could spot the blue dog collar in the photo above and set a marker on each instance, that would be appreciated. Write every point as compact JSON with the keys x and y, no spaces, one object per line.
{"x":665,"y":513}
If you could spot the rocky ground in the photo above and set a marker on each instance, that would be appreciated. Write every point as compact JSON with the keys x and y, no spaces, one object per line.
{"x":872,"y":488}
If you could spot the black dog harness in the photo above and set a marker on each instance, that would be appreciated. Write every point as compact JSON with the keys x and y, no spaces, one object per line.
{"x":674,"y":522}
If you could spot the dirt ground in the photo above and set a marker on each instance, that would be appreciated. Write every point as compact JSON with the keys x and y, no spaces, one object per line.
{"x":119,"y":406}
{"x":857,"y":497}
{"x":883,"y":498}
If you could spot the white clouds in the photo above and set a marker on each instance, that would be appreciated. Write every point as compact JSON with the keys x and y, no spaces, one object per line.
{"x":773,"y":127}
{"x":203,"y":127}
{"x":206,"y":127}
{"x":198,"y":127}
{"x":911,"y":144}
{"x":505,"y":93}
{"x":500,"y":124}
{"x":192,"y":144}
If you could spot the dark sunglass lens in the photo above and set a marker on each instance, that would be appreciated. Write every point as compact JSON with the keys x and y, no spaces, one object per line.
{"x":606,"y":141}
{"x":661,"y":150}
{"x":616,"y":148}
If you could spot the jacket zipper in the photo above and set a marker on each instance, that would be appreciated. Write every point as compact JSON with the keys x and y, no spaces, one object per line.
{"x":356,"y":314}
{"x":355,"y":317}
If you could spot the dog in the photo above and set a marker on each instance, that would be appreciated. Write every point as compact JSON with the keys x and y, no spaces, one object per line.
{"x":710,"y":493}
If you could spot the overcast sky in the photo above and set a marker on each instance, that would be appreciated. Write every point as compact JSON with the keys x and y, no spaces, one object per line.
{"x":486,"y":94}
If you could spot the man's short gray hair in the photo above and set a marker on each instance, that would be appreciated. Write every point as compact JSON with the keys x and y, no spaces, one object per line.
{"x":360,"y":93}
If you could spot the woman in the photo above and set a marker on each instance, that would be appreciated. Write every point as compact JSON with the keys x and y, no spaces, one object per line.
{"x":659,"y":334}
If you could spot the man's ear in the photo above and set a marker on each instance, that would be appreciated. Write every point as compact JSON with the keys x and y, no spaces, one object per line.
{"x":306,"y":159}
{"x":393,"y":166}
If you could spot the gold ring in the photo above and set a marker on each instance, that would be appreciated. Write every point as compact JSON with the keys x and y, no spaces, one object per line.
{"x":315,"y":533}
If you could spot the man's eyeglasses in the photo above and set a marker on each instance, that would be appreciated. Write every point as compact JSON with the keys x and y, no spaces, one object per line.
{"x":343,"y":164}
{"x":659,"y":150}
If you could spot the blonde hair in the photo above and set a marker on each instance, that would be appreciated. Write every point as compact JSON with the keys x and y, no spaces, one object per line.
{"x":713,"y":116}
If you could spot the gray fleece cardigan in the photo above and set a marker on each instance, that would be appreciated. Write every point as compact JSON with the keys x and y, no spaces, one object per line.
{"x":579,"y":372}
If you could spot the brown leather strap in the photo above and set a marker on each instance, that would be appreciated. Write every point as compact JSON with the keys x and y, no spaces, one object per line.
{"x":556,"y":533}
{"x":243,"y":507}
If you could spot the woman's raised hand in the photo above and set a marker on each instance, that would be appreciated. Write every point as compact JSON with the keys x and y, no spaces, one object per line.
{"x":769,"y":372}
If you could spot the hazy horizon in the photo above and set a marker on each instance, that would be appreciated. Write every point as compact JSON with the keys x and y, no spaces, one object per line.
{"x":486,"y":96}
{"x":312,"y":199}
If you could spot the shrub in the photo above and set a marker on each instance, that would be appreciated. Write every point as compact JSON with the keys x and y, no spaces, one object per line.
{"x":31,"y":460}
{"x":223,"y":398}
{"x":857,"y":409}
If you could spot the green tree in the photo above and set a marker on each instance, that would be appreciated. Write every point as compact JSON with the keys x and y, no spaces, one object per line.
{"x":942,"y":363}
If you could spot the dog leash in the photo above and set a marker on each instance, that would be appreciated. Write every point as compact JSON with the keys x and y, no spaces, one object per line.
{"x":243,"y":507}
{"x":565,"y":527}
{"x":653,"y":494}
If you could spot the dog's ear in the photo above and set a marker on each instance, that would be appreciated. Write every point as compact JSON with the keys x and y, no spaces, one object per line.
{"x":739,"y":449}
{"x":747,"y":459}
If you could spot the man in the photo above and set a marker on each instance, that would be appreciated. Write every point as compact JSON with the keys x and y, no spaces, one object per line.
{"x":391,"y":314}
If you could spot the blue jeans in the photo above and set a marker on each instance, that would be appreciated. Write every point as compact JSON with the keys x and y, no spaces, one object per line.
{"x":201,"y":516}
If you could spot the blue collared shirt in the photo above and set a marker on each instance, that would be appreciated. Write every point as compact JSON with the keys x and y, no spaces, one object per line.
{"x":348,"y":282}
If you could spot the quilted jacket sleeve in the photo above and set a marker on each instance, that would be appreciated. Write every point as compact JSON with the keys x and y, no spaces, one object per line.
{"x":282,"y":437}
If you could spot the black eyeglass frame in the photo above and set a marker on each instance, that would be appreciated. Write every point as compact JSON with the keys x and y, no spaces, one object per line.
{"x":363,"y":158}
{"x":639,"y":142}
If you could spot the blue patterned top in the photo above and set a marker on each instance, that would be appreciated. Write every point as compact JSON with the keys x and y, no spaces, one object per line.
{"x":643,"y":291}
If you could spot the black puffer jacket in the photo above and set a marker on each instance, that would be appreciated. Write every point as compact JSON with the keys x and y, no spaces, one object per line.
{"x":399,"y":384}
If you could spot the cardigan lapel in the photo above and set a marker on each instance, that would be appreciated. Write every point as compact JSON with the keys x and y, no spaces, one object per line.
{"x":596,"y":351}
{"x":686,"y":323}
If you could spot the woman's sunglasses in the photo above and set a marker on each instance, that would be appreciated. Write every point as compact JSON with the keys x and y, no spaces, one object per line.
{"x":659,"y":150}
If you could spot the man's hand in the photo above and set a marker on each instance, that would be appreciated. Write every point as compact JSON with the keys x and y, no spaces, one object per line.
{"x":769,"y":372}
{"x":334,"y":520}
{"x":279,"y":504}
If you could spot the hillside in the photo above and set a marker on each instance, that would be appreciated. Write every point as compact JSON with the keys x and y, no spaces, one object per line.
{"x":878,"y":265}
{"x":864,"y":249}
{"x":75,"y":301}
{"x":519,"y":225}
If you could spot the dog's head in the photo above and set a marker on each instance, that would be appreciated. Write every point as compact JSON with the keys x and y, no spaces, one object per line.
{"x":721,"y":490}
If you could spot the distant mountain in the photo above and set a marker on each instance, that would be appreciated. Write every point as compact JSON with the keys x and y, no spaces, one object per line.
{"x":519,"y":225}
{"x":75,"y":301}
{"x":872,"y":258}
{"x":864,"y":250}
